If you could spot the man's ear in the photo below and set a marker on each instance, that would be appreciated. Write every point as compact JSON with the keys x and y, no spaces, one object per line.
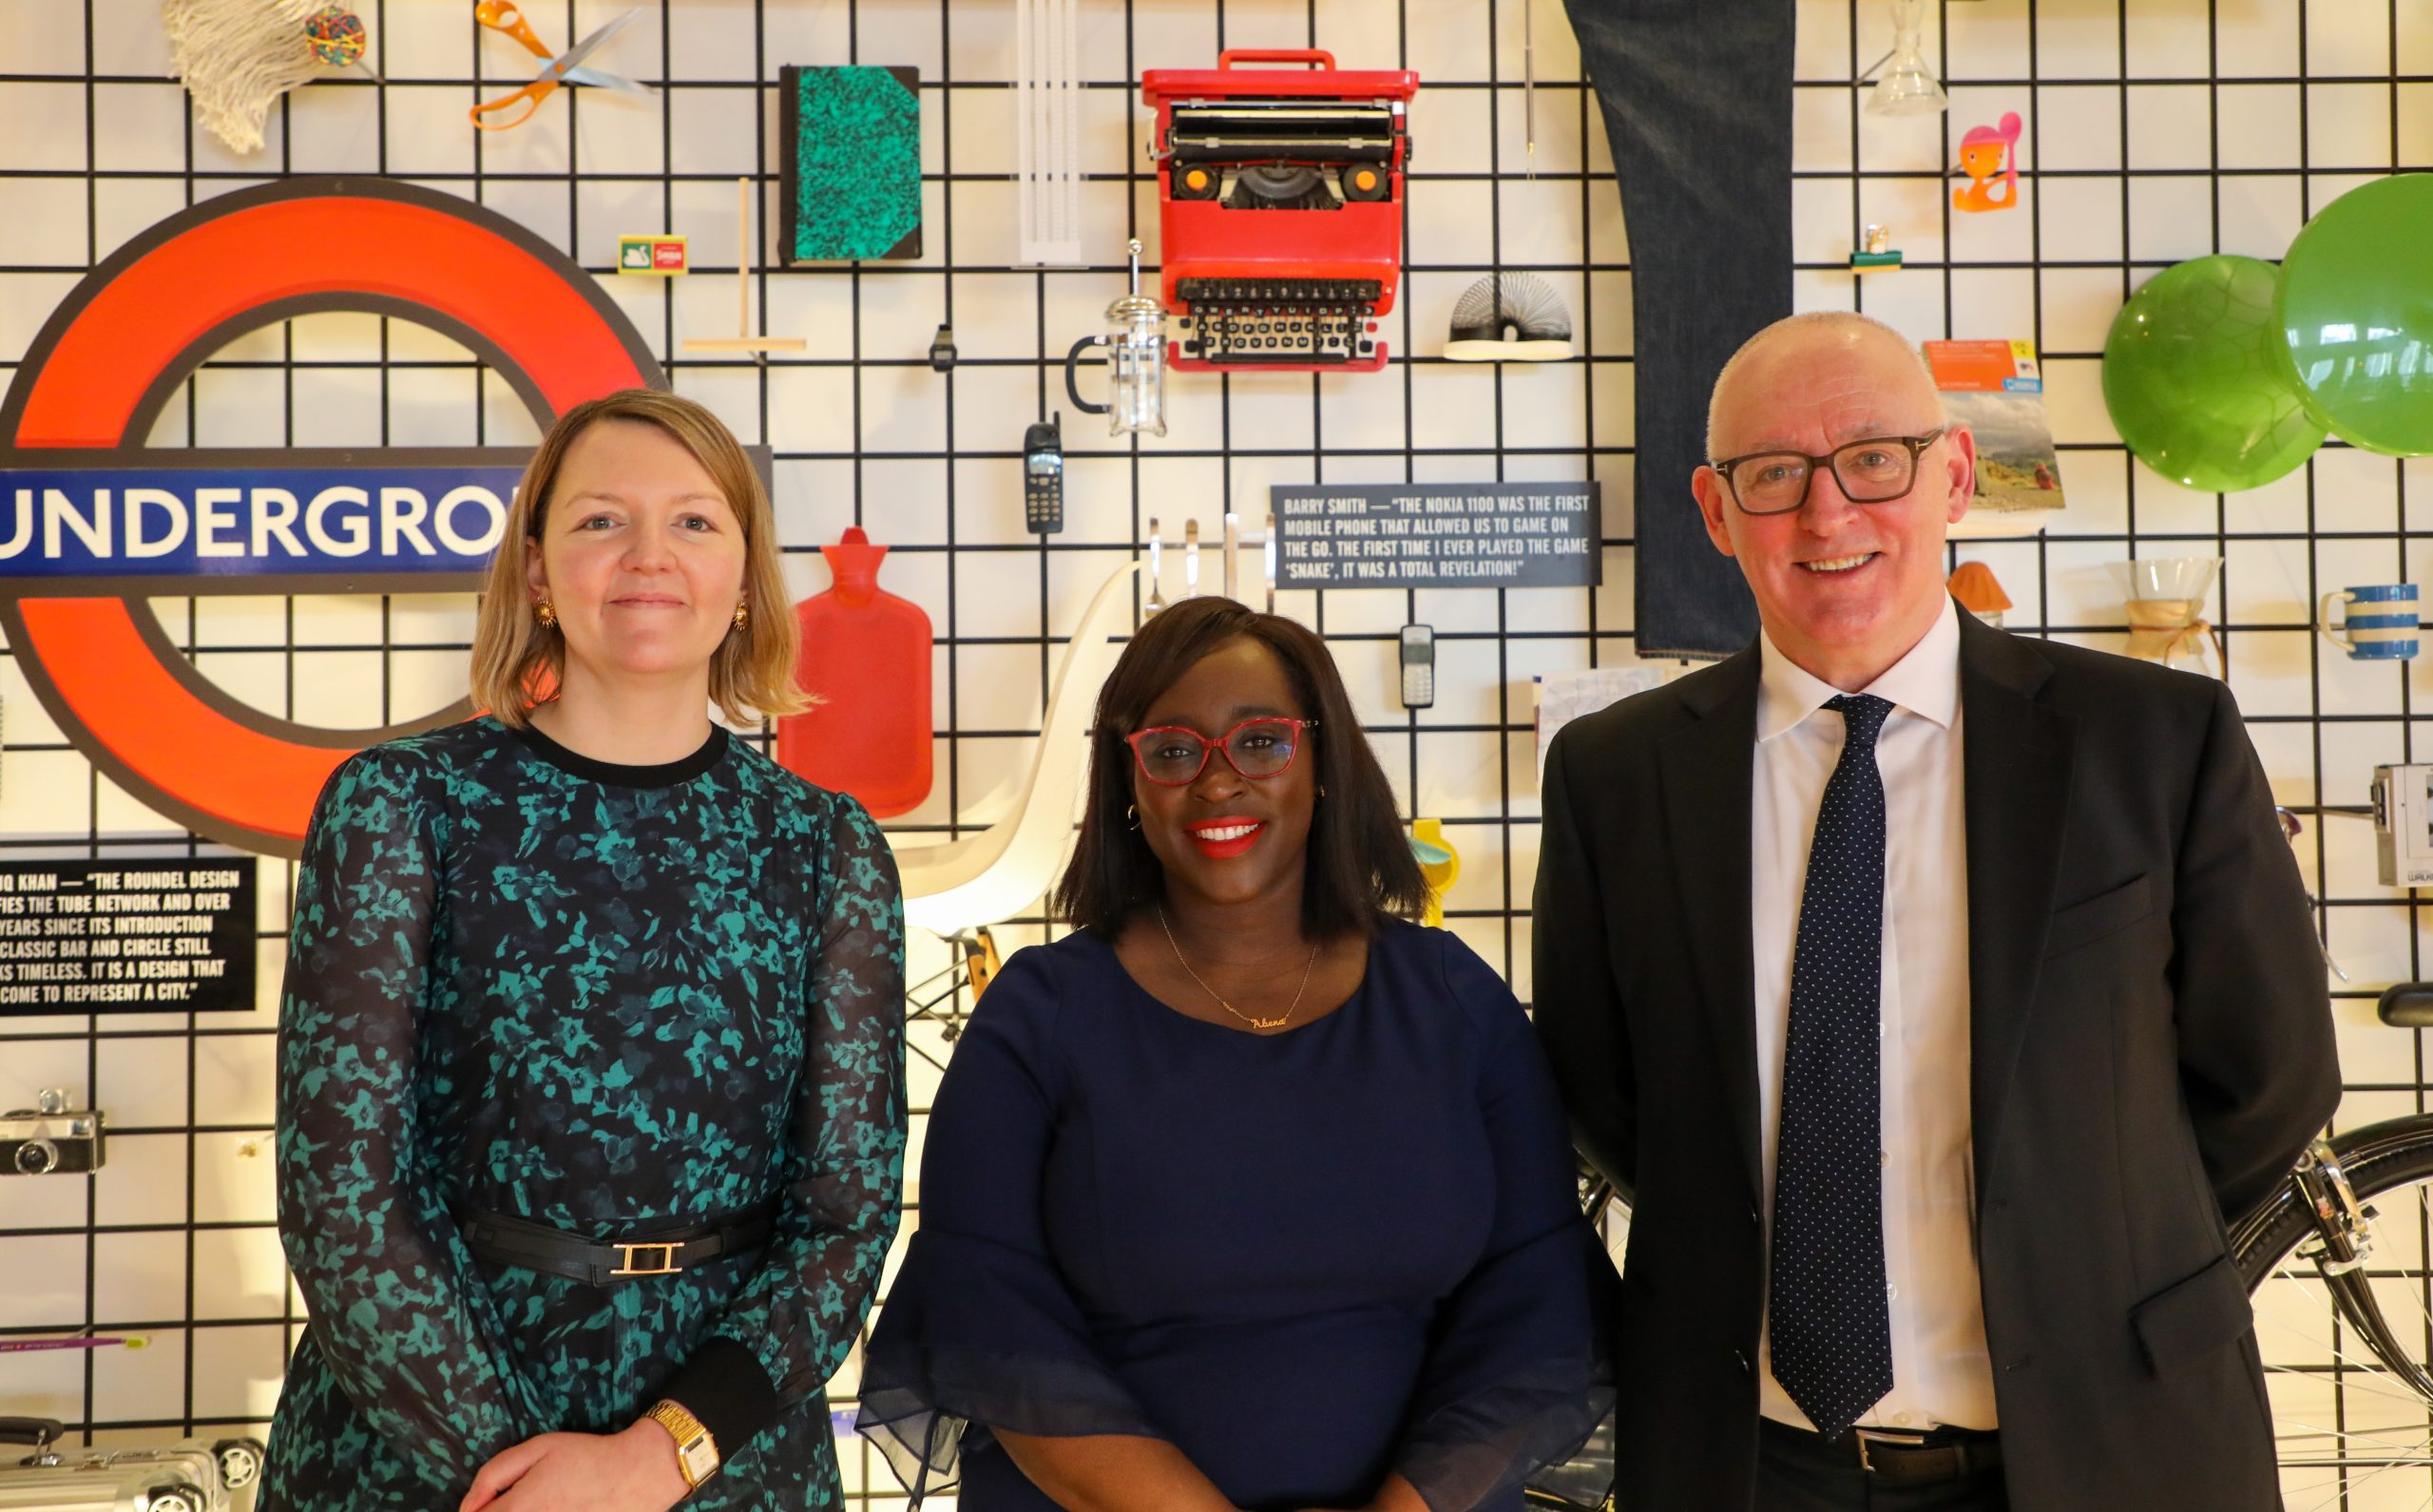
{"x":1714,"y":500}
{"x":1960,"y":471}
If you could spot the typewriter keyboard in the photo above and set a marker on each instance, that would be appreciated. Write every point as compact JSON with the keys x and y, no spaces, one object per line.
{"x":1279,"y":320}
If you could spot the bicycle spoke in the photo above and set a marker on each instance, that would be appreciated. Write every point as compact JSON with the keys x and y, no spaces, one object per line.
{"x":2312,"y":1487}
{"x":2349,"y":1488}
{"x":2416,"y":1291}
{"x":2344,"y":1384}
{"x":2305,"y":1285}
{"x":2421,"y":1447}
{"x":2395,"y":1438}
{"x":2343,"y":1485}
{"x":2373,"y":1369}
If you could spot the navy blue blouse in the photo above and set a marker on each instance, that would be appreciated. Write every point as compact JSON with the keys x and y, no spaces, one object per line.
{"x":1306,"y":1259}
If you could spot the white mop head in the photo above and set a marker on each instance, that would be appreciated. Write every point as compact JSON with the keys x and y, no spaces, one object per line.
{"x":237,"y":57}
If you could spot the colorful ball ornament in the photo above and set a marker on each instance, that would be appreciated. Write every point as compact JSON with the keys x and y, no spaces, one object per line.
{"x":336,"y":36}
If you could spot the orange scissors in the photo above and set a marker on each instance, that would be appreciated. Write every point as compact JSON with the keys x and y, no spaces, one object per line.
{"x":503,"y":15}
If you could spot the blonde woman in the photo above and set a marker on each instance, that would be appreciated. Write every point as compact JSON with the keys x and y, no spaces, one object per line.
{"x":592,"y":1114}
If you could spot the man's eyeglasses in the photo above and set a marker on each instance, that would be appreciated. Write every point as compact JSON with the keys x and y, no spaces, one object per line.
{"x":1170,"y":756}
{"x":1875,"y":471}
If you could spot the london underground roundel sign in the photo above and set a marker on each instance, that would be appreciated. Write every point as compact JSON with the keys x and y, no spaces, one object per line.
{"x":92,"y":521}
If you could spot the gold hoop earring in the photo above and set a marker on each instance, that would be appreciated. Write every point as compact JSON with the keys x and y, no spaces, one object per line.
{"x":547,"y":613}
{"x":1132,"y":812}
{"x":742,"y":612}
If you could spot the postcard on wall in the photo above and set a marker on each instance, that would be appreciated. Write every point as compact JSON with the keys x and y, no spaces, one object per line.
{"x":1996,"y":389}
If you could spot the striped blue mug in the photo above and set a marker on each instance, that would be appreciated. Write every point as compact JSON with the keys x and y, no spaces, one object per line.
{"x":2378,"y":621}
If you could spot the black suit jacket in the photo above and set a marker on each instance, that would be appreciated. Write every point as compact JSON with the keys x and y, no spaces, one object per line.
{"x":2151,"y":1046}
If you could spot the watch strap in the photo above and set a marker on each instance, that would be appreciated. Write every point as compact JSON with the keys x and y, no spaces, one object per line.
{"x":696,"y":1452}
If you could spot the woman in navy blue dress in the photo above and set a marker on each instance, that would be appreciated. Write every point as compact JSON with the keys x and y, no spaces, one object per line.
{"x":1248,"y":1194}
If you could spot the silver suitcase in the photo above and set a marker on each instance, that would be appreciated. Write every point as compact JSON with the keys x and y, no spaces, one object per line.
{"x":198,"y":1475}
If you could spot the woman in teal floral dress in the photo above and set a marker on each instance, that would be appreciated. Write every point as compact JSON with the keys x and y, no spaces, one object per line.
{"x":592,"y":1111}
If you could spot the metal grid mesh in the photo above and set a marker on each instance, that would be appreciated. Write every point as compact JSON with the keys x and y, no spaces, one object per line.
{"x":2156,"y":129}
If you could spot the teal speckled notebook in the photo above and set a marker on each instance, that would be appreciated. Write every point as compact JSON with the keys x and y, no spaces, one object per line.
{"x":851,"y":144}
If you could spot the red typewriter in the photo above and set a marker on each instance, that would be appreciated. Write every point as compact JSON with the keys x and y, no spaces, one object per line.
{"x":1280,"y":202}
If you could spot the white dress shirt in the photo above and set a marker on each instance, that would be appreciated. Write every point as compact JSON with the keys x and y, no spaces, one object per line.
{"x":1940,"y":1373}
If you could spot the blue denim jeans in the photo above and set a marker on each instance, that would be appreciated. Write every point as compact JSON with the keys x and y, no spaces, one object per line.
{"x":1697,"y":96}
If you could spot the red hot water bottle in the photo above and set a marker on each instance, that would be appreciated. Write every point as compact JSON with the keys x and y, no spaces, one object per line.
{"x":866,"y":658}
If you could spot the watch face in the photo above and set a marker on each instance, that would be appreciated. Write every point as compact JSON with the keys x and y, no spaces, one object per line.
{"x":699,"y":1458}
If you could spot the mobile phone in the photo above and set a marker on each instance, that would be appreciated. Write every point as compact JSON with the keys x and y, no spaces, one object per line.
{"x":1043,"y":477}
{"x":1419,"y":666}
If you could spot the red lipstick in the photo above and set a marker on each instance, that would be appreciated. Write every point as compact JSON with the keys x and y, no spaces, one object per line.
{"x":1204,"y":833}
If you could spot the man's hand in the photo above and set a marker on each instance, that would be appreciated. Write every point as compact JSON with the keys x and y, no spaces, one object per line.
{"x":632,"y":1471}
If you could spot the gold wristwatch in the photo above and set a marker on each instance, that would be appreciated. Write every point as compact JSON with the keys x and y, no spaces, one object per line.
{"x":697,"y":1453}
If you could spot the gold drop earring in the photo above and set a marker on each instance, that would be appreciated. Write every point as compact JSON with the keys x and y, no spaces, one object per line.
{"x":547,"y":613}
{"x":742,"y":612}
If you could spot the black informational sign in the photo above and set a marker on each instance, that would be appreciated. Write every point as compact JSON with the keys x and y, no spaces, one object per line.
{"x":173,"y":936}
{"x":1437,"y":535}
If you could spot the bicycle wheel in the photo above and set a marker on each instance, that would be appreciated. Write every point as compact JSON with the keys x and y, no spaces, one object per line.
{"x":2345,"y":1340}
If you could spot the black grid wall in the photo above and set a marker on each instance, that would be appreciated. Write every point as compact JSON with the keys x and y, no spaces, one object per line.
{"x":2156,"y":130}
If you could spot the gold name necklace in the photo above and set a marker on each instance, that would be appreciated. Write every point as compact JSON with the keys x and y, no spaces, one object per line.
{"x":1255,"y":1024}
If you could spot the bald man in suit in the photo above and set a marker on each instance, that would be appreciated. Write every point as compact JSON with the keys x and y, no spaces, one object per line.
{"x":1936,"y":993}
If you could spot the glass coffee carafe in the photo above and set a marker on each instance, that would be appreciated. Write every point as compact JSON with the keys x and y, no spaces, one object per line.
{"x":2165,"y":602}
{"x":1136,"y":347}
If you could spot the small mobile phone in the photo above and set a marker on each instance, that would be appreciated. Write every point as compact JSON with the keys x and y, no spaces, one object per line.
{"x":1043,"y":477}
{"x":1419,"y":665}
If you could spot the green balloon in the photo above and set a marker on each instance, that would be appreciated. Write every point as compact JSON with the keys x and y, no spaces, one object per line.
{"x":2355,"y":310}
{"x":2190,"y":376}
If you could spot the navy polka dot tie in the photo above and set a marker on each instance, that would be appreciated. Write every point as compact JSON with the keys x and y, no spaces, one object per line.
{"x":1831,"y":1325}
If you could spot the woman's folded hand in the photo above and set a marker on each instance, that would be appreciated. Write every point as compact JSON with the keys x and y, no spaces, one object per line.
{"x":632,"y":1471}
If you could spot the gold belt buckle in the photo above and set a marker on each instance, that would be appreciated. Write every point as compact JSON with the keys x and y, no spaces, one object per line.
{"x":666,"y":1258}
{"x":1899,"y":1440}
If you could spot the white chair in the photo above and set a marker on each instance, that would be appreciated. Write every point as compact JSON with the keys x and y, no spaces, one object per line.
{"x":991,"y":876}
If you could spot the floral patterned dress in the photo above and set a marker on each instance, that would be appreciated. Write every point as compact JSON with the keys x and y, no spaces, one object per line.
{"x":608,"y":999}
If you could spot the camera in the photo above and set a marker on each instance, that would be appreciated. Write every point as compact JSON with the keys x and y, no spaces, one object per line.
{"x":51,"y":1137}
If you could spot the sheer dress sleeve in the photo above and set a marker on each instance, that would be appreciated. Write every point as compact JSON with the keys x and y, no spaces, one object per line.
{"x":1519,"y":1369}
{"x":398,"y":1309}
{"x":980,"y":1330}
{"x":787,"y":1328}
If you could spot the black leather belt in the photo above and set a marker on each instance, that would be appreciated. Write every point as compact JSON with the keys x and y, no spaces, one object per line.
{"x":1947,"y":1454}
{"x":503,"y":1239}
{"x":1896,"y":1456}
